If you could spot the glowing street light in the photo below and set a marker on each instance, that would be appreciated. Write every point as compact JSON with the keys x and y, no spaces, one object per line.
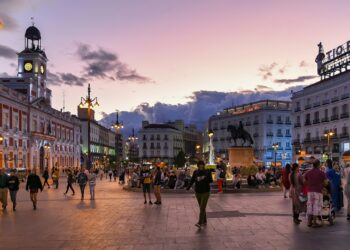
{"x":275,"y":147}
{"x":329,"y":134}
{"x":117,"y":126}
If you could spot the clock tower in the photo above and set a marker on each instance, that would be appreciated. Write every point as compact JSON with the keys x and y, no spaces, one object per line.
{"x":32,"y":63}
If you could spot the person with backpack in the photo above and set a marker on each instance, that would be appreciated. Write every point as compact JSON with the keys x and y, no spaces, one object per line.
{"x":202,"y":179}
{"x":220,"y":176}
{"x":46,"y":177}
{"x":13,"y":186}
{"x":92,"y":183}
{"x":82,"y":179}
{"x":33,"y":185}
{"x":70,"y":181}
{"x":110,"y":173}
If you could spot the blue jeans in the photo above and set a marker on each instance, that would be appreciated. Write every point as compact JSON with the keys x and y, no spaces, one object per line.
{"x":13,"y":195}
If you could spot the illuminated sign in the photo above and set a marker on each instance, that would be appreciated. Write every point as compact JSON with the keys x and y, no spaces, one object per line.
{"x":334,"y":61}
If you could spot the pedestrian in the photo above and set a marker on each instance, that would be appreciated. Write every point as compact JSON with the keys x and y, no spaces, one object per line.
{"x":55,"y":177}
{"x":82,"y":179}
{"x":46,"y":177}
{"x":219,"y":178}
{"x":110,"y":173}
{"x":33,"y":186}
{"x":156,"y":183}
{"x":70,"y":181}
{"x":115,"y":174}
{"x":296,"y":192}
{"x":314,"y":180}
{"x":92,"y":183}
{"x":146,"y":183}
{"x":13,"y":186}
{"x":3,"y":188}
{"x":285,"y":180}
{"x":202,"y":179}
{"x":347,"y":188}
{"x":335,"y":183}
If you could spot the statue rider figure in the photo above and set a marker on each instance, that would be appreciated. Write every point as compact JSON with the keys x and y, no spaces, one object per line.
{"x":320,"y":58}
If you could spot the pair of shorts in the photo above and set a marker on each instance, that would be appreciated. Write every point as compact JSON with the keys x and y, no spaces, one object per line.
{"x":146,"y":188}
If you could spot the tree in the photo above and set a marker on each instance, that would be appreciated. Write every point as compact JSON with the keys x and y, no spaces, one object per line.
{"x":180,"y":159}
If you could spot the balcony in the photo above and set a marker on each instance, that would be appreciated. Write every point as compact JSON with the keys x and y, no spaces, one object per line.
{"x":269,"y":134}
{"x":247,"y":123}
{"x":326,"y":119}
{"x":256,"y":122}
{"x":316,"y":121}
{"x":269,"y":121}
{"x":279,"y":135}
{"x":325,"y":102}
{"x":334,"y":117}
{"x":255,"y":135}
{"x":279,"y":122}
{"x":307,"y":106}
{"x":296,"y":142}
{"x":317,"y":104}
{"x":344,"y":135}
{"x":307,"y":123}
{"x":344,"y":96}
{"x":316,"y":139}
{"x":297,"y":125}
{"x":297,"y":109}
{"x":344,"y":115}
{"x":288,"y":135}
{"x":335,"y":99}
{"x":307,"y":139}
{"x":288,"y":122}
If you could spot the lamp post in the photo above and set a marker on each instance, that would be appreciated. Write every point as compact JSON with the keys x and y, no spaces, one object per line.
{"x":275,"y":147}
{"x":90,"y":102}
{"x":132,"y":139}
{"x":118,"y":125}
{"x":47,"y":148}
{"x":198,"y":147}
{"x":211,"y":147}
{"x":329,"y":134}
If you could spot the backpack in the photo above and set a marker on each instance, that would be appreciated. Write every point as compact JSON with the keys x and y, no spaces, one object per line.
{"x":222,"y":174}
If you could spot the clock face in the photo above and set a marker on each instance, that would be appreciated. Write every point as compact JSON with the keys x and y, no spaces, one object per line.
{"x":42,"y":69}
{"x":28,"y":66}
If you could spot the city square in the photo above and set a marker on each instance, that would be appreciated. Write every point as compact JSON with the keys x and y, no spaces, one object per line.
{"x":192,"y":124}
{"x":118,"y":219}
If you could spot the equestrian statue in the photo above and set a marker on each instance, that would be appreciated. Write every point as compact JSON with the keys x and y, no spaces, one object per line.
{"x":239,"y":133}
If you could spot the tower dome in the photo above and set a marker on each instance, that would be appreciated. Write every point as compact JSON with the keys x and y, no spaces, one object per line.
{"x":32,"y":33}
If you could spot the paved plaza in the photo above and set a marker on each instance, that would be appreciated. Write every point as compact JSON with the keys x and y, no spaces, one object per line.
{"x":118,"y":219}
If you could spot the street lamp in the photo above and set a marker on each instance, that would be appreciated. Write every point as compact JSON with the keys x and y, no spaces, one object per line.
{"x":198,"y":147}
{"x":90,"y":102}
{"x":275,"y":147}
{"x":211,"y":147}
{"x":329,"y":134}
{"x":118,"y":125}
{"x":132,"y":139}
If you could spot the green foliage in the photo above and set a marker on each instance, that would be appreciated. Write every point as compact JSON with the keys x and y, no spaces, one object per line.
{"x":245,"y":171}
{"x":180,"y":160}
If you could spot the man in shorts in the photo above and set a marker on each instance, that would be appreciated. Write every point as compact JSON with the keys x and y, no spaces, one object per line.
{"x":146,"y":179}
{"x":314,"y":181}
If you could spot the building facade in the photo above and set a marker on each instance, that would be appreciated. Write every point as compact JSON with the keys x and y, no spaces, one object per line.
{"x":267,"y":121}
{"x":159,"y":142}
{"x":102,"y":141}
{"x":32,"y":133}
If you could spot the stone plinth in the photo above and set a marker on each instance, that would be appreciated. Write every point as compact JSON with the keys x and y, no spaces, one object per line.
{"x":241,"y":156}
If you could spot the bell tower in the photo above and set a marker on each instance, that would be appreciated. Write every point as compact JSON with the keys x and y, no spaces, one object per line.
{"x":32,"y":63}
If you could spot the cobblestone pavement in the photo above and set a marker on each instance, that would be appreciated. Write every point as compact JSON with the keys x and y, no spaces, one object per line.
{"x":118,"y":219}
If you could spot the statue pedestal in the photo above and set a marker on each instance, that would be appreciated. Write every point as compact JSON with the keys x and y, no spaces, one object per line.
{"x":241,"y":156}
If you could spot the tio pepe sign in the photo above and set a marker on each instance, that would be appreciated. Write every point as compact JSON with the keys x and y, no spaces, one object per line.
{"x":338,"y":51}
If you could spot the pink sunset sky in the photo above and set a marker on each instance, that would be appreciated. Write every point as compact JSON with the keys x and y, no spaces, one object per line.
{"x":134,"y":51}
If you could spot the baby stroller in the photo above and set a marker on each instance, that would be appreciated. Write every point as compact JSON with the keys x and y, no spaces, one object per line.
{"x":328,"y":212}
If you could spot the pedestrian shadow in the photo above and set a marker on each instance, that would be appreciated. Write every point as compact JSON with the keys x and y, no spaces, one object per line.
{"x":86,"y":204}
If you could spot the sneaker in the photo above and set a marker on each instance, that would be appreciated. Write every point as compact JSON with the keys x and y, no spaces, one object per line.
{"x":348,"y":218}
{"x":198,"y":225}
{"x":145,"y":202}
{"x":34,"y":207}
{"x":150,"y":202}
{"x":73,"y":194}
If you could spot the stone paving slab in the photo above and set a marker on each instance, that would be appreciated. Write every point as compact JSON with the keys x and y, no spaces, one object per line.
{"x":118,"y":219}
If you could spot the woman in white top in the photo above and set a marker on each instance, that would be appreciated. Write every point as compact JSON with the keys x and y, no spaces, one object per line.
{"x":347,"y":187}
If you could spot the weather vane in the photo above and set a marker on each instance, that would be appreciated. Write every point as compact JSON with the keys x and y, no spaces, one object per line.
{"x":32,"y":18}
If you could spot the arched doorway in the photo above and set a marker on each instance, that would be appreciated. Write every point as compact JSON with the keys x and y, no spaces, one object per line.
{"x":42,"y":158}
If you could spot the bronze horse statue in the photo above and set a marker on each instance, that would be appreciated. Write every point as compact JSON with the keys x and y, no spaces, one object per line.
{"x":239,"y":133}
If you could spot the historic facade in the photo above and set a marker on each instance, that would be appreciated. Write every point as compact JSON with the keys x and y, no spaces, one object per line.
{"x":32,"y":133}
{"x":267,"y":121}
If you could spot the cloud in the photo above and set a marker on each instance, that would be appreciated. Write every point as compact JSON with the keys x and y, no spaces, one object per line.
{"x":65,"y":78}
{"x":102,"y":64}
{"x":201,"y":105}
{"x":4,"y":74}
{"x":260,"y":87}
{"x":266,"y":70}
{"x":7,"y":22}
{"x":7,"y":52}
{"x":299,"y":79}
